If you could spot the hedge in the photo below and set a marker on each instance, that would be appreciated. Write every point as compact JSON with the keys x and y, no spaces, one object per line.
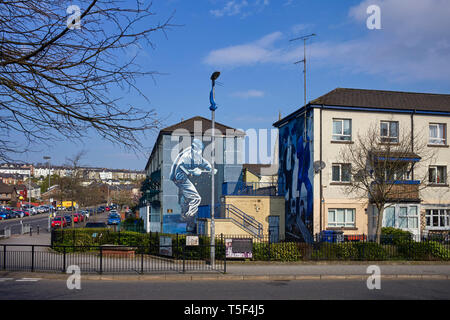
{"x":394,"y":248}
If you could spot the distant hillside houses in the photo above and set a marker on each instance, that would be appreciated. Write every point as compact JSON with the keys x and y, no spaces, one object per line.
{"x":111,"y":176}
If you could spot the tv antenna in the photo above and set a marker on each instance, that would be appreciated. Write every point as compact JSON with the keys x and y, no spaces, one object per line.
{"x":304,"y":38}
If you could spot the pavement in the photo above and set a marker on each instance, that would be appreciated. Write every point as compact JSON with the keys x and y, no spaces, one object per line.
{"x":265,"y":271}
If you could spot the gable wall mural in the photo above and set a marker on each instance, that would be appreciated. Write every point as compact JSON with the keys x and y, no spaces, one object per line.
{"x":296,"y":176}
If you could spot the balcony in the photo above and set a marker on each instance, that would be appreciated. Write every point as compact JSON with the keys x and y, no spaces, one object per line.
{"x":403,"y":191}
{"x":250,"y":189}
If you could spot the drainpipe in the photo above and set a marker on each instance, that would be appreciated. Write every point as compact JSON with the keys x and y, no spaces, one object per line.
{"x":412,"y":141}
{"x":320,"y":173}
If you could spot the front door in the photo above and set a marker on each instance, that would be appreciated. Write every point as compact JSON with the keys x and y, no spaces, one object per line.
{"x":274,"y":228}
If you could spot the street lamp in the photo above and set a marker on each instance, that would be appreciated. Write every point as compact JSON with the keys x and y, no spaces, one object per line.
{"x":49,"y":174}
{"x":213,"y":108}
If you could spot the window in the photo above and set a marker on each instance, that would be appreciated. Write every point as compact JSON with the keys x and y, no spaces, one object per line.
{"x":437,"y":174}
{"x":389,"y":131}
{"x":437,"y":218}
{"x":438,"y":133}
{"x":340,"y":172}
{"x":405,"y":217}
{"x":408,"y":218}
{"x":342,"y":130}
{"x":341,"y":218}
{"x":400,"y":174}
{"x":389,"y":217}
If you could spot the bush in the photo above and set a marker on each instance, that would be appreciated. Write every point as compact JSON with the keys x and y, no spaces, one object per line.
{"x":429,"y":250}
{"x":371,"y":251}
{"x":349,"y":251}
{"x":283,"y":251}
{"x":390,"y":235}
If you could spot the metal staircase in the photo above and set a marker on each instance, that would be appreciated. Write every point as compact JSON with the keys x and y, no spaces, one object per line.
{"x":243,"y":220}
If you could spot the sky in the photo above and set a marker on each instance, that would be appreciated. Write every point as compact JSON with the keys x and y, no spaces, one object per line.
{"x":248,"y":41}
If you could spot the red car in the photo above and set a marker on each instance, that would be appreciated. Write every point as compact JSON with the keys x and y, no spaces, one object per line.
{"x":56,"y":222}
{"x":80,"y":217}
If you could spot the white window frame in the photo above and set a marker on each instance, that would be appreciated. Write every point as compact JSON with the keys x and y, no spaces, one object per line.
{"x":440,"y":140}
{"x":435,"y":175}
{"x":340,"y":165}
{"x":409,"y":215}
{"x":389,"y":138}
{"x":341,"y":136}
{"x":441,"y":212}
{"x":345,"y":224}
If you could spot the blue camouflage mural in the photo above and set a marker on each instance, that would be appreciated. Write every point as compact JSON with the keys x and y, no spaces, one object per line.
{"x":296,"y":176}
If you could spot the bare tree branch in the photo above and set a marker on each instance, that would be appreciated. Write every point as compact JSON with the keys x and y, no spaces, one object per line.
{"x":56,"y":81}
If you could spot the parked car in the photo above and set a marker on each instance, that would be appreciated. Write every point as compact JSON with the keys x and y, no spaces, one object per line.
{"x":18,"y":213}
{"x":96,"y":225}
{"x":27,"y":206}
{"x":114,"y":218}
{"x":42,"y":209}
{"x":68,"y":219}
{"x":57,"y":221}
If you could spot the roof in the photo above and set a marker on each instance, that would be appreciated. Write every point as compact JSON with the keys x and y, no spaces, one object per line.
{"x":381,"y":99}
{"x":6,"y":188}
{"x":397,"y":156}
{"x":203,"y":123}
{"x":256,"y":168}
{"x":385,"y":99}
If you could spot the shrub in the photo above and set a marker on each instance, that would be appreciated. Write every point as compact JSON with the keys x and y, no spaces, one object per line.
{"x":390,"y":235}
{"x":349,"y":251}
{"x":429,"y":250}
{"x":370,"y":251}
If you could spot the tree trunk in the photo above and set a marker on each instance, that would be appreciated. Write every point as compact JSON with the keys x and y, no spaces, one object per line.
{"x":379,"y":223}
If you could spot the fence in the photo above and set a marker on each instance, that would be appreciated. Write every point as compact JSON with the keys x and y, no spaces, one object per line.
{"x":251,"y":188}
{"x":110,"y":259}
{"x":351,"y":247}
{"x":5,"y":233}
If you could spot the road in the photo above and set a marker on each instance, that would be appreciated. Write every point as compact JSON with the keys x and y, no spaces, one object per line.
{"x":41,"y":221}
{"x":46,"y":289}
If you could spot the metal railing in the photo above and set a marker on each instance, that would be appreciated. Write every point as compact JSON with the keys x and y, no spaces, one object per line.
{"x":111,"y":259}
{"x":350,"y":248}
{"x":5,"y":233}
{"x":237,"y":216}
{"x":251,"y":189}
{"x":242,"y":219}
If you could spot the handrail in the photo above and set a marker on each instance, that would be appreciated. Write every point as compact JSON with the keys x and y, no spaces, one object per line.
{"x":248,"y":223}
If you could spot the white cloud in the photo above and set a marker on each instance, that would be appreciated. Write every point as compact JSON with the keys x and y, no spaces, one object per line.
{"x":259,"y":51}
{"x":249,"y":94}
{"x":242,"y":8}
{"x":413,"y":45}
{"x":231,"y":8}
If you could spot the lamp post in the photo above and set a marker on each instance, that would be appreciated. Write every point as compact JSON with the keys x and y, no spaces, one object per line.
{"x":49,"y":174}
{"x":213,"y":108}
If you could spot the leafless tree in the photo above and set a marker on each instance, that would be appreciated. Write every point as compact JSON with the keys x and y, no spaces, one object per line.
{"x":60,"y":70}
{"x":376,"y":166}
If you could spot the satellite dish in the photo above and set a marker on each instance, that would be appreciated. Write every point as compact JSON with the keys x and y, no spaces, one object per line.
{"x":318,"y":166}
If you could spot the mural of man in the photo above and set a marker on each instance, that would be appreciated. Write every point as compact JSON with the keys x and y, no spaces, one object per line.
{"x":189,"y":162}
